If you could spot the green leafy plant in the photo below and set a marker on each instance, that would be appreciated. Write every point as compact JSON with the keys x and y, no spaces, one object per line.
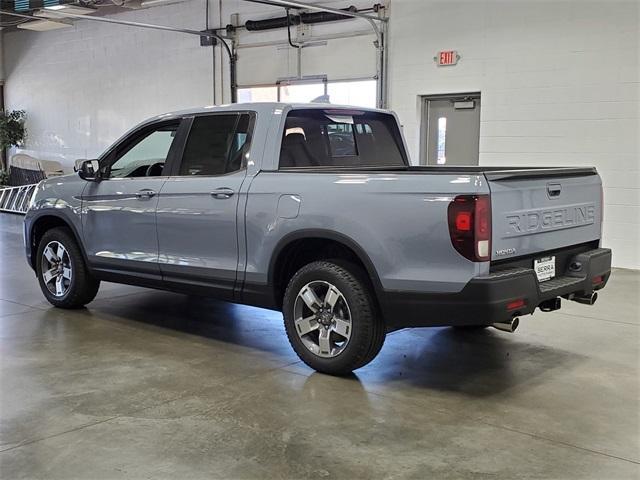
{"x":12,"y":131}
{"x":4,"y":178}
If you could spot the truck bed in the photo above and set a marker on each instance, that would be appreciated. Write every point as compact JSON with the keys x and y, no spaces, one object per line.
{"x":492,"y":173}
{"x":504,"y":173}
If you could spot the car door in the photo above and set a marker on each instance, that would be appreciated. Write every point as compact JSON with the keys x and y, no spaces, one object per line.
{"x":119,"y":211}
{"x":198,"y":208}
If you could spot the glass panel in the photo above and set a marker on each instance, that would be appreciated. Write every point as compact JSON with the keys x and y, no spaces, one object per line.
{"x":442,"y":141}
{"x":360,"y":93}
{"x":216,"y":145}
{"x":301,"y":93}
{"x":147,"y":157}
{"x":258,"y":94}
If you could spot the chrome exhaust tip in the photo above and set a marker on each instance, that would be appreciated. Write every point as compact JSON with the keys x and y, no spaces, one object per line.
{"x":507,"y":326}
{"x":586,"y":299}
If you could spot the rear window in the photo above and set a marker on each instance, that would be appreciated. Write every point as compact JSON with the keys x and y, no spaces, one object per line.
{"x":341,"y":138}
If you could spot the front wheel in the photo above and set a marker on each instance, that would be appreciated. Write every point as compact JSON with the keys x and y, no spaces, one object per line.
{"x":63,"y":275}
{"x":331,"y":317}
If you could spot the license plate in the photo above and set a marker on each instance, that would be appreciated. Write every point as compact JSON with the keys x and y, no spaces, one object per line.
{"x":545,"y":268}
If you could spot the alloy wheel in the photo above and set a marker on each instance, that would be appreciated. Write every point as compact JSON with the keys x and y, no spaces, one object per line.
{"x":322,"y":319}
{"x":56,"y":269}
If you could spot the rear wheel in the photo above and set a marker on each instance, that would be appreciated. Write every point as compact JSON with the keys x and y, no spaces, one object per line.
{"x":331,"y":317}
{"x":63,"y":275}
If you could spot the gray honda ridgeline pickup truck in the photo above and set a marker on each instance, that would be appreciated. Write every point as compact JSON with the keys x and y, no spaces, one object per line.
{"x":315,"y":210}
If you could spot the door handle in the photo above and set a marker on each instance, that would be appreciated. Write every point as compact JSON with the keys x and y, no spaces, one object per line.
{"x":146,"y":193}
{"x":554,"y":189}
{"x":221,"y":193}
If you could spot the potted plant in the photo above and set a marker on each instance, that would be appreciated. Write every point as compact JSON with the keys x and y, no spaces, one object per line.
{"x":12,"y":133}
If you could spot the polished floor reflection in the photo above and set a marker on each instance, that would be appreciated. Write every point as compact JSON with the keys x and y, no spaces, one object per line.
{"x":147,"y":384}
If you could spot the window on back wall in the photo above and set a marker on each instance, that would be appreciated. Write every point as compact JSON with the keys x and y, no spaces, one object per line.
{"x":301,"y":93}
{"x":360,"y":93}
{"x":258,"y":94}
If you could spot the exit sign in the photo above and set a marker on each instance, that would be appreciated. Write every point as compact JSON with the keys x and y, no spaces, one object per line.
{"x":447,"y":58}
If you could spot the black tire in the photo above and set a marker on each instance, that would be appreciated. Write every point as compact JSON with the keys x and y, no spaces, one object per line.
{"x":367,"y":328}
{"x":82,"y":287}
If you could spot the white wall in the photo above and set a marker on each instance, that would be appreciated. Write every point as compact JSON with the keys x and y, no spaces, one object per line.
{"x":84,"y":86}
{"x":559,"y":81}
{"x":559,"y":84}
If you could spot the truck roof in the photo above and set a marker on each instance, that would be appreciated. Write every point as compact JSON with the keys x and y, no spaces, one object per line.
{"x":265,"y":107}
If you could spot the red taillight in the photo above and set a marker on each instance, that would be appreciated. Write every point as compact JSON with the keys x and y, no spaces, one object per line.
{"x":516,"y":304}
{"x":597,"y":280}
{"x":463,"y":221}
{"x":470,"y":226}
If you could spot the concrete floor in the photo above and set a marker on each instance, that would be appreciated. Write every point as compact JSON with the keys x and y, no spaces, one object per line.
{"x":147,"y":384}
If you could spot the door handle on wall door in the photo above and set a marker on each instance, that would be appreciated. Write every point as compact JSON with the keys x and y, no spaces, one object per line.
{"x":221,"y":193}
{"x":146,"y":193}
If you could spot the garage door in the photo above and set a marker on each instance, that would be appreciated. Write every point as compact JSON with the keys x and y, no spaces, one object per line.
{"x":336,"y":59}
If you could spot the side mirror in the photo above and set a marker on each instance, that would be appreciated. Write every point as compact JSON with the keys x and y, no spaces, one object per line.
{"x":89,"y":170}
{"x":78,"y":163}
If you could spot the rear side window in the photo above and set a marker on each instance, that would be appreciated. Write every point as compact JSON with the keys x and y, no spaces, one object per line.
{"x":341,"y":138}
{"x":216,"y":144}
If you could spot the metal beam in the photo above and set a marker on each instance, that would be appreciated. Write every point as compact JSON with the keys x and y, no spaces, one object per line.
{"x":61,"y":14}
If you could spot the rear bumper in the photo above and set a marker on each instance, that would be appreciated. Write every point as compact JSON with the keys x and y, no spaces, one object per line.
{"x":485,"y":300}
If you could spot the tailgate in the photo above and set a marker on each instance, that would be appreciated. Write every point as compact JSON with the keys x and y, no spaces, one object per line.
{"x":543,"y":209}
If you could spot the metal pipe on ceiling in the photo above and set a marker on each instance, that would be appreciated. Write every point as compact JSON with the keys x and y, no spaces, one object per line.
{"x":110,"y":20}
{"x":318,"y":8}
{"x":230,"y":53}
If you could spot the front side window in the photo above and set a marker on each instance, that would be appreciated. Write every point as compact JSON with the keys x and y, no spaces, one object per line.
{"x":216,"y":144}
{"x":341,"y":138}
{"x":145,"y":156}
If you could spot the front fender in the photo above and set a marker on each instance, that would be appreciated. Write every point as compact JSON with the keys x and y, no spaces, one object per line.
{"x":56,"y":202}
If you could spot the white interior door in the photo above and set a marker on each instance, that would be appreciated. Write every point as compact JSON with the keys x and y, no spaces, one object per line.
{"x":452,"y":135}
